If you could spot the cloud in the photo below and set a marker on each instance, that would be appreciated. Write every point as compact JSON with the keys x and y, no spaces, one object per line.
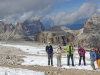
{"x":85,"y":11}
{"x":98,"y":11}
{"x":33,"y":9}
{"x":25,"y":16}
{"x":9,"y":19}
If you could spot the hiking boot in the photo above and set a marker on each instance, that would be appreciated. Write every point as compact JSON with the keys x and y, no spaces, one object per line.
{"x":85,"y":65}
{"x":68,"y":65}
{"x":72,"y":65}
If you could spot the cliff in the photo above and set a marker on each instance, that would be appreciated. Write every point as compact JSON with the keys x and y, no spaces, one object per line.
{"x":90,"y":34}
{"x":55,"y":35}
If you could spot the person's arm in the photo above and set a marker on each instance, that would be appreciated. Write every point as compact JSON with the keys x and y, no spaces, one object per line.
{"x":78,"y":51}
{"x":67,"y":49}
{"x":52,"y":49}
{"x":90,"y":55}
{"x":56,"y":51}
{"x":95,"y":56}
{"x":52,"y":52}
{"x":83,"y":51}
{"x":73,"y":49}
{"x":46,"y":50}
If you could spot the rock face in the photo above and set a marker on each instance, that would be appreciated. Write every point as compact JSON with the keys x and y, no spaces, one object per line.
{"x":55,"y":35}
{"x":9,"y":28}
{"x":65,"y":28}
{"x":22,"y":31}
{"x":29,"y":28}
{"x":57,"y":28}
{"x":1,"y":27}
{"x":54,"y":28}
{"x":91,"y":33}
{"x":92,"y":25}
{"x":19,"y":29}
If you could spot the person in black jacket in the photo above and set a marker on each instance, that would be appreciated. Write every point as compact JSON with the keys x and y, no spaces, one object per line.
{"x":97,"y":51}
{"x":49,"y":51}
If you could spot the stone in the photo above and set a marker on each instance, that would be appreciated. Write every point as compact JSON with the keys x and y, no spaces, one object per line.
{"x":7,"y":57}
{"x":13,"y":56}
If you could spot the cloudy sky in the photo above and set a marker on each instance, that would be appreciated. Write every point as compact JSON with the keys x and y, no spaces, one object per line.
{"x":56,"y":12}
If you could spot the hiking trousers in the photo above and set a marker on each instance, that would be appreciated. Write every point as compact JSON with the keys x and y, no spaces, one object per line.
{"x":83,"y":60}
{"x":98,"y":63}
{"x":68,"y":59}
{"x":92,"y":64}
{"x":50,"y":57}
{"x":58,"y":60}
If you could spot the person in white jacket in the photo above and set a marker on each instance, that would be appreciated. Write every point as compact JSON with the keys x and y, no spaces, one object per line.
{"x":58,"y":55}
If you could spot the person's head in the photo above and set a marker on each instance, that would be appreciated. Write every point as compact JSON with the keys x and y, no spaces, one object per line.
{"x":79,"y":47}
{"x":59,"y":45}
{"x":48,"y":43}
{"x":70,"y":44}
{"x":96,"y":48}
{"x":92,"y":49}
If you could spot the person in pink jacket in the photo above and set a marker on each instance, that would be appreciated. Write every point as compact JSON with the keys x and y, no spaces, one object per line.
{"x":81,"y":53}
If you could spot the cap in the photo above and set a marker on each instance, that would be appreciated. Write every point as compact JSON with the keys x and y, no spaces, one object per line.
{"x":78,"y":46}
{"x":97,"y":47}
{"x":48,"y":42}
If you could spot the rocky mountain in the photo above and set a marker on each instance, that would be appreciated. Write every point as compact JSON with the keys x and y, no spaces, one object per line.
{"x":92,"y":25}
{"x":90,"y":34}
{"x":55,"y":35}
{"x":29,"y":28}
{"x":86,"y":37}
{"x":9,"y":28}
{"x":22,"y":31}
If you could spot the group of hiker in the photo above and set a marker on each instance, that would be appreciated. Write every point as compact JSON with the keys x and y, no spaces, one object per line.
{"x":94,"y":55}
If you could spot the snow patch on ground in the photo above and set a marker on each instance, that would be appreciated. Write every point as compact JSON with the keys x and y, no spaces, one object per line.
{"x":43,"y":60}
{"x":7,"y":71}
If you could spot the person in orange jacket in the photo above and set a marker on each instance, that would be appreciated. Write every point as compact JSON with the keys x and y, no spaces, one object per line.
{"x":97,"y":51}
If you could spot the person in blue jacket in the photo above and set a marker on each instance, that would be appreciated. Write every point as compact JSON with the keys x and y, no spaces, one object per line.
{"x":49,"y":51}
{"x":92,"y":57}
